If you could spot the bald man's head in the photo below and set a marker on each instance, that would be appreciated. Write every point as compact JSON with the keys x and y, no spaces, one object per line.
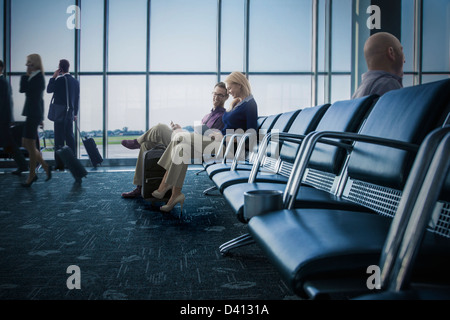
{"x":383,"y":51}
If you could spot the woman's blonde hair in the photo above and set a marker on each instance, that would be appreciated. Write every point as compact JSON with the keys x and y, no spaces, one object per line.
{"x":36,"y":61}
{"x":240,"y":79}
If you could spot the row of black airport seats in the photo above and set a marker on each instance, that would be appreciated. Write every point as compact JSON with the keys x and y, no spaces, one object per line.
{"x":349,"y":191}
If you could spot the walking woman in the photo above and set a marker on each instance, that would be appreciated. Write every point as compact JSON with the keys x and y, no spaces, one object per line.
{"x":33,"y":85}
{"x":243,"y":115}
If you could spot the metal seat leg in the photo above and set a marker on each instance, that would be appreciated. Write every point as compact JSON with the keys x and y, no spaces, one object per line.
{"x":240,"y":241}
{"x":200,"y":171}
{"x":206,"y":192}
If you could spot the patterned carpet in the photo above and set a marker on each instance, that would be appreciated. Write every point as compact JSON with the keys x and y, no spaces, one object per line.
{"x":125,"y":249}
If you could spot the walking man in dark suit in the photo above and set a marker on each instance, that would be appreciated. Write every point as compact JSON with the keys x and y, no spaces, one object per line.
{"x":63,"y":131}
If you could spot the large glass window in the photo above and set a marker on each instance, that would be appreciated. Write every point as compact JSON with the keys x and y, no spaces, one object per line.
{"x":45,"y":32}
{"x":126,"y":111}
{"x":407,"y":38}
{"x":276,"y":46}
{"x":183,"y":35}
{"x":127,"y":35}
{"x":321,"y":90}
{"x":91,"y":110}
{"x":233,"y":35}
{"x":434,"y":77}
{"x":91,"y":40}
{"x":341,"y":35}
{"x":181,"y":99}
{"x":321,"y":32}
{"x":341,"y":49}
{"x":340,"y":88}
{"x":162,"y":61}
{"x":275,"y":94}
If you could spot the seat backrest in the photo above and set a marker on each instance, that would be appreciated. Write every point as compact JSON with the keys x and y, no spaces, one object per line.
{"x":268,"y":123}
{"x":282,"y":124}
{"x":265,"y":127}
{"x":301,"y":122}
{"x":285,"y":120}
{"x":326,"y":163}
{"x":408,"y":115}
{"x":421,"y":203}
{"x":260,"y":121}
{"x":376,"y":173}
{"x":305,"y":122}
{"x":341,"y":116}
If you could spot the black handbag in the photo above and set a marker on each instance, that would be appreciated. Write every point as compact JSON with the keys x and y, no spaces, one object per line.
{"x":58,"y":112}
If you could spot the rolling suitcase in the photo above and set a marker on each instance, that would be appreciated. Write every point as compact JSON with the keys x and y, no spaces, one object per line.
{"x":73,"y":164}
{"x":92,"y":150}
{"x":152,"y":172}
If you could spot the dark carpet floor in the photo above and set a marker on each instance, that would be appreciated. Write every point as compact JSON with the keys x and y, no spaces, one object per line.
{"x":125,"y":249}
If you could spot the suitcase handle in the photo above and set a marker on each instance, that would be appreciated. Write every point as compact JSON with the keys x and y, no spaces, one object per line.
{"x":79,"y":132}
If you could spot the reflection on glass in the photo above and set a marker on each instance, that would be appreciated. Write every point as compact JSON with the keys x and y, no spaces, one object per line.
{"x":321,"y":90}
{"x":127,"y":35}
{"x":183,"y":35}
{"x":275,"y":94}
{"x":341,"y":35}
{"x":91,"y":42}
{"x":436,"y":35}
{"x":181,"y":99}
{"x":233,"y":31}
{"x":46,"y":25}
{"x":276,"y":46}
{"x":407,"y":38}
{"x":126,"y":112}
{"x":321,"y":36}
{"x":340,"y":88}
{"x":435,"y":77}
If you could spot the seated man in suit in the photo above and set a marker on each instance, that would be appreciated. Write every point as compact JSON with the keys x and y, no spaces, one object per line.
{"x":162,"y":134}
{"x":384,"y":57}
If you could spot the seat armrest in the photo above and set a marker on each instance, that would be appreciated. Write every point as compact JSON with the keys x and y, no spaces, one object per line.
{"x":308,"y":145}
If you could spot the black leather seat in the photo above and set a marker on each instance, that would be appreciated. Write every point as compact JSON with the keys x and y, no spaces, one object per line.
{"x":314,"y":244}
{"x":305,"y":122}
{"x":282,"y":124}
{"x":427,"y":189}
{"x":342,"y":116}
{"x":264,"y":127}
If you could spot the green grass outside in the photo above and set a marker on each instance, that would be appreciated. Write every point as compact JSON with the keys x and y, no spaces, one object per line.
{"x":114,"y":140}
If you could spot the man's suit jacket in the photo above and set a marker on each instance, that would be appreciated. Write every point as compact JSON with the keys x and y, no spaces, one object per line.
{"x":34,"y":93}
{"x":58,"y":88}
{"x":5,"y":112}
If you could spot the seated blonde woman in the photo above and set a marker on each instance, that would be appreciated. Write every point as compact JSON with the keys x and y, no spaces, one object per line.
{"x":186,"y":146}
